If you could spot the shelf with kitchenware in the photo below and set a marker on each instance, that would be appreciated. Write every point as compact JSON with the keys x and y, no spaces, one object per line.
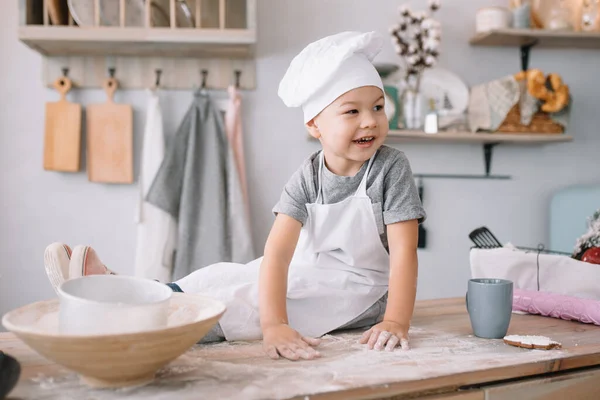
{"x":539,"y":23}
{"x":179,"y":42}
{"x":138,"y":38}
{"x":544,"y":23}
{"x":478,"y":137}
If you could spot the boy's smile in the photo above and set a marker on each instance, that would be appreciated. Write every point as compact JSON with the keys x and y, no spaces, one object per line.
{"x":365,"y":141}
{"x":351,"y":129}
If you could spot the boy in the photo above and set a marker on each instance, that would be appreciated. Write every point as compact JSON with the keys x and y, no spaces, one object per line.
{"x":346,"y":224}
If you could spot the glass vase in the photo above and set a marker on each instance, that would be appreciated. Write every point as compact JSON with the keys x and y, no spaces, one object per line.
{"x":413,"y":109}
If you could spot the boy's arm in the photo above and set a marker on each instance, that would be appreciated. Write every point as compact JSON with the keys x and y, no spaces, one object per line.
{"x":279,"y":250}
{"x":402,"y":238}
{"x":278,"y":337}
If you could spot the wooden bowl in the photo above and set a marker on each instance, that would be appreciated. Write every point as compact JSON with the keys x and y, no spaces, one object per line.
{"x":116,"y":360}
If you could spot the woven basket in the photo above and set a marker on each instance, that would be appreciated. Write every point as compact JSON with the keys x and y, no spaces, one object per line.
{"x":540,"y":123}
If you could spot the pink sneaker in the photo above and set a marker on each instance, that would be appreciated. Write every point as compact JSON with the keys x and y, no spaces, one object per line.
{"x":57,"y":257}
{"x":85,"y":261}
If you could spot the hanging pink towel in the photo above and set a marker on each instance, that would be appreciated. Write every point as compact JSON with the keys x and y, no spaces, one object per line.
{"x":242,"y":249}
{"x":233,"y":125}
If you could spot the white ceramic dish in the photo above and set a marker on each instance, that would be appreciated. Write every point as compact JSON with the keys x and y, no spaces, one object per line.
{"x":441,"y":84}
{"x":490,"y":18}
{"x":116,"y":360}
{"x":112,"y":304}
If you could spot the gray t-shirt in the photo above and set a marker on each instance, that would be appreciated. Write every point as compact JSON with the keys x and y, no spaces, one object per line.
{"x":390,"y":185}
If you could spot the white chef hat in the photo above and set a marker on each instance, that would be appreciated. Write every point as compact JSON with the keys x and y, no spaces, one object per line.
{"x":326,"y":69}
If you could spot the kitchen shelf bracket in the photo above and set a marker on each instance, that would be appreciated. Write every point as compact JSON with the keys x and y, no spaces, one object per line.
{"x":487,"y":158}
{"x":525,"y":50}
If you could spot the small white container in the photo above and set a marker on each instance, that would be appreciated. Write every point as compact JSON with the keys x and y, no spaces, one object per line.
{"x":490,"y":18}
{"x":112,"y":304}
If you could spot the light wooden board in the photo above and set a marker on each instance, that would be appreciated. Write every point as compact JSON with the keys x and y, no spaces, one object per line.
{"x":444,"y":357}
{"x":110,"y":139}
{"x":62,"y":133}
{"x":58,"y":12}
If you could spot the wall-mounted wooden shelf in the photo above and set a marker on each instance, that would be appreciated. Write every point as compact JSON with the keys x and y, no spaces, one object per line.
{"x":183,"y":42}
{"x":539,"y":37}
{"x":487,"y":140}
{"x":140,"y":42}
{"x":479,"y":137}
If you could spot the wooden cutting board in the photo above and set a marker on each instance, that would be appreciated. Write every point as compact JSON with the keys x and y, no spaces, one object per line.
{"x":62,"y":131}
{"x":110,"y":139}
{"x":58,"y":12}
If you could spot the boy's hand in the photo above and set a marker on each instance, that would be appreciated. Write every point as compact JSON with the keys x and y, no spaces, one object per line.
{"x":282,"y":340}
{"x":386,"y":334}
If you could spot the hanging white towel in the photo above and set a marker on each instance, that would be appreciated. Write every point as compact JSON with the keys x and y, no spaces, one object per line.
{"x":239,"y":217}
{"x":156,"y":229}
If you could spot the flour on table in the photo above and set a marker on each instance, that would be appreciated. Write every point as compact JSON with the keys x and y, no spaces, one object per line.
{"x":241,"y":370}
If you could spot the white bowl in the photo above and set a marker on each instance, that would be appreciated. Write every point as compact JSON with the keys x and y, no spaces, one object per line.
{"x":112,"y":304}
{"x":116,"y":360}
{"x":490,"y":18}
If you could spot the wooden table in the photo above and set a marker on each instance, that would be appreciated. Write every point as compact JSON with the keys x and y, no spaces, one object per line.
{"x":445,"y":362}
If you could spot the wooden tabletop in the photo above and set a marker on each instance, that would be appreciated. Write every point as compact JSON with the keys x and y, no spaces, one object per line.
{"x":444,"y":357}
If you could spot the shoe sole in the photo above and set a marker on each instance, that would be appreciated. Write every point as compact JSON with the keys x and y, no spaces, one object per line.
{"x":57,"y":258}
{"x":77,"y":261}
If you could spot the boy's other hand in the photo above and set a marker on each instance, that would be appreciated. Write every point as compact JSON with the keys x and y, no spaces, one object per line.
{"x":386,"y":334}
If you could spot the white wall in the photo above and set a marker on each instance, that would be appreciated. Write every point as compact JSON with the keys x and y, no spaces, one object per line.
{"x":39,"y":207}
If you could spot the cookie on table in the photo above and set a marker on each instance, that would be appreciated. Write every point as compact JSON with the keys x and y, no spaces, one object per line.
{"x":532,"y":342}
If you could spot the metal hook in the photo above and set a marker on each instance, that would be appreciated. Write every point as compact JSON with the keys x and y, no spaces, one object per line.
{"x":204,"y":76}
{"x":65,"y":71}
{"x":158,"y":72}
{"x":111,"y":72}
{"x":238,"y":74}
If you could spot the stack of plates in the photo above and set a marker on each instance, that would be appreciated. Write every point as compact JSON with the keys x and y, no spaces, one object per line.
{"x":83,"y":13}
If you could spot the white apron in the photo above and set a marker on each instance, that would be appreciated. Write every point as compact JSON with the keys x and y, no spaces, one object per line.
{"x":339,"y":269}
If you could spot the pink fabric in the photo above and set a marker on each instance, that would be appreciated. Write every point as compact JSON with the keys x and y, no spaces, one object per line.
{"x":557,"y":306}
{"x":233,"y":126}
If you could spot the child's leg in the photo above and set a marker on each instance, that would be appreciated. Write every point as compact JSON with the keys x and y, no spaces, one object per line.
{"x":372,"y":316}
{"x":215,"y":334}
{"x":62,"y":264}
{"x":174,"y":287}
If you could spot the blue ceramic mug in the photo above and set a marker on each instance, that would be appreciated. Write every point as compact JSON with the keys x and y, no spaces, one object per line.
{"x":489,"y":303}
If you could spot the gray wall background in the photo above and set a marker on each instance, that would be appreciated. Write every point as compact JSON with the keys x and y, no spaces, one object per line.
{"x":39,"y":207}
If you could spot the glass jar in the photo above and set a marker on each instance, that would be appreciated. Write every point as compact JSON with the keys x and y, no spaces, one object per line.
{"x":413,"y":109}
